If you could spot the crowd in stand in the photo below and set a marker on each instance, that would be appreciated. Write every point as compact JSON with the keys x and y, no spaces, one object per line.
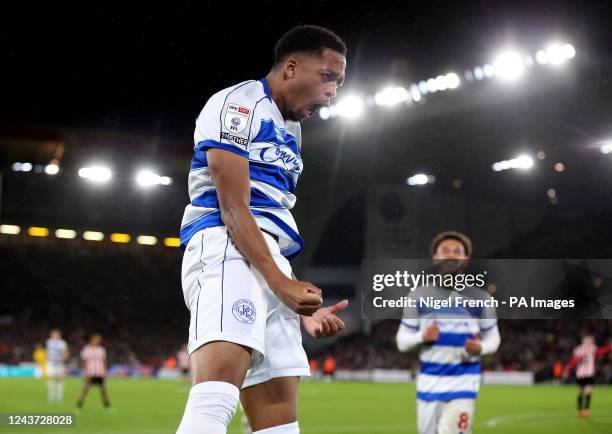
{"x":132,"y":296}
{"x":526,"y":345}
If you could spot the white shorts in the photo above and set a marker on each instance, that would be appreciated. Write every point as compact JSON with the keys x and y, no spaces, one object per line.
{"x":445,"y":417}
{"x":55,"y":370}
{"x":230,"y":301}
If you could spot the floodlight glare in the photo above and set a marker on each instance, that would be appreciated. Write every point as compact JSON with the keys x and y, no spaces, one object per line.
{"x":452,"y":80}
{"x":555,"y":54}
{"x":391,"y":96}
{"x":51,"y":169}
{"x":606,"y":147}
{"x":350,"y":107}
{"x":523,"y":162}
{"x":96,"y":173}
{"x":324,"y":113}
{"x":420,"y":179}
{"x":508,"y":65}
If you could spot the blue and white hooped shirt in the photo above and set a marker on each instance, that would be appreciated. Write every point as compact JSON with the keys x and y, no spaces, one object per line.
{"x":447,"y":371}
{"x":244,"y":119}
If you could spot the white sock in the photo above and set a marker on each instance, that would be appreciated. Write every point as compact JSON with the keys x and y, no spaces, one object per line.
{"x":51,"y":390}
{"x":210,"y":408}
{"x":290,"y":428}
{"x":60,"y":391}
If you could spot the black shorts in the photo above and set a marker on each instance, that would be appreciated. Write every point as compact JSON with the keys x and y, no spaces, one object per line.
{"x":98,"y":381}
{"x":586,"y":381}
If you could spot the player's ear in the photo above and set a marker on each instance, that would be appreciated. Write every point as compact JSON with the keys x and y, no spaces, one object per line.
{"x":290,"y":68}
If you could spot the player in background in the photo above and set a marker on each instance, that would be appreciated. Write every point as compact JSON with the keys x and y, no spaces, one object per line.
{"x":449,"y":349}
{"x":584,"y":358}
{"x":40,"y":357}
{"x":57,"y":354}
{"x":239,"y":235}
{"x":93,"y":356}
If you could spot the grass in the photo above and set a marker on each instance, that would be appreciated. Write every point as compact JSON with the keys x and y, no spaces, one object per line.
{"x":156,"y":406}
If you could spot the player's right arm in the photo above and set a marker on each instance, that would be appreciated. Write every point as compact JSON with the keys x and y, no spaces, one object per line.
{"x":228,"y":163}
{"x":230,"y":175}
{"x":411,"y":334}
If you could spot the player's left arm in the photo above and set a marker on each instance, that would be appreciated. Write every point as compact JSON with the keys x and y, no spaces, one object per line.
{"x":324,"y":323}
{"x":603,"y":350}
{"x":490,"y":340}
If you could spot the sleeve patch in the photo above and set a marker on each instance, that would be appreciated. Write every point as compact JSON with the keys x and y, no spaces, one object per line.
{"x":236,"y":118}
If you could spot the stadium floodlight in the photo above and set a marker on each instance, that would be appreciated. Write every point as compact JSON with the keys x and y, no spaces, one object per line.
{"x":147,"y":240}
{"x":96,"y":173}
{"x":606,"y":147}
{"x":488,"y":70}
{"x":555,"y":54}
{"x":21,"y":167}
{"x":452,"y":80}
{"x":51,"y":169}
{"x":350,"y":107}
{"x":391,"y":96}
{"x":441,"y":82}
{"x":415,"y":92}
{"x":569,"y":51}
{"x":432,"y":85}
{"x":10,"y":229}
{"x":67,"y":234}
{"x":35,"y":231}
{"x":324,"y":113}
{"x":541,"y":57}
{"x":508,"y":65}
{"x":172,"y":242}
{"x":420,"y":179}
{"x":93,"y":236}
{"x":523,"y":162}
{"x":423,"y":87}
{"x":148,"y":178}
{"x":478,"y":73}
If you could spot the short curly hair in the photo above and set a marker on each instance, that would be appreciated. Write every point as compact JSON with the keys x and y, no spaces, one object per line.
{"x":453,"y":235}
{"x":307,"y":38}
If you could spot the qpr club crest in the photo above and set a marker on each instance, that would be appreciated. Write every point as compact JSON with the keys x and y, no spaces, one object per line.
{"x":244,"y":311}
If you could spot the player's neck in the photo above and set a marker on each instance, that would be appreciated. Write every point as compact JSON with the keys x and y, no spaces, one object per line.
{"x":276,"y":90}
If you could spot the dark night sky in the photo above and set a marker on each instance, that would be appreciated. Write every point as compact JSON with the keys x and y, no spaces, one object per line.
{"x":150,"y":69}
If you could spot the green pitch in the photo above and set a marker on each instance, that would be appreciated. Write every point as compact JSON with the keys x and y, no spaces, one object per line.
{"x":155,"y":407}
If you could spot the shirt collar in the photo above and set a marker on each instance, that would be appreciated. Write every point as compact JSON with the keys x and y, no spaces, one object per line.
{"x":266,"y":89}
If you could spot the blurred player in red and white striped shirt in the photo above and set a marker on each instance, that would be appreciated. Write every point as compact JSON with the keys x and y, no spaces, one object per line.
{"x":93,"y":356}
{"x":584,"y":358}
